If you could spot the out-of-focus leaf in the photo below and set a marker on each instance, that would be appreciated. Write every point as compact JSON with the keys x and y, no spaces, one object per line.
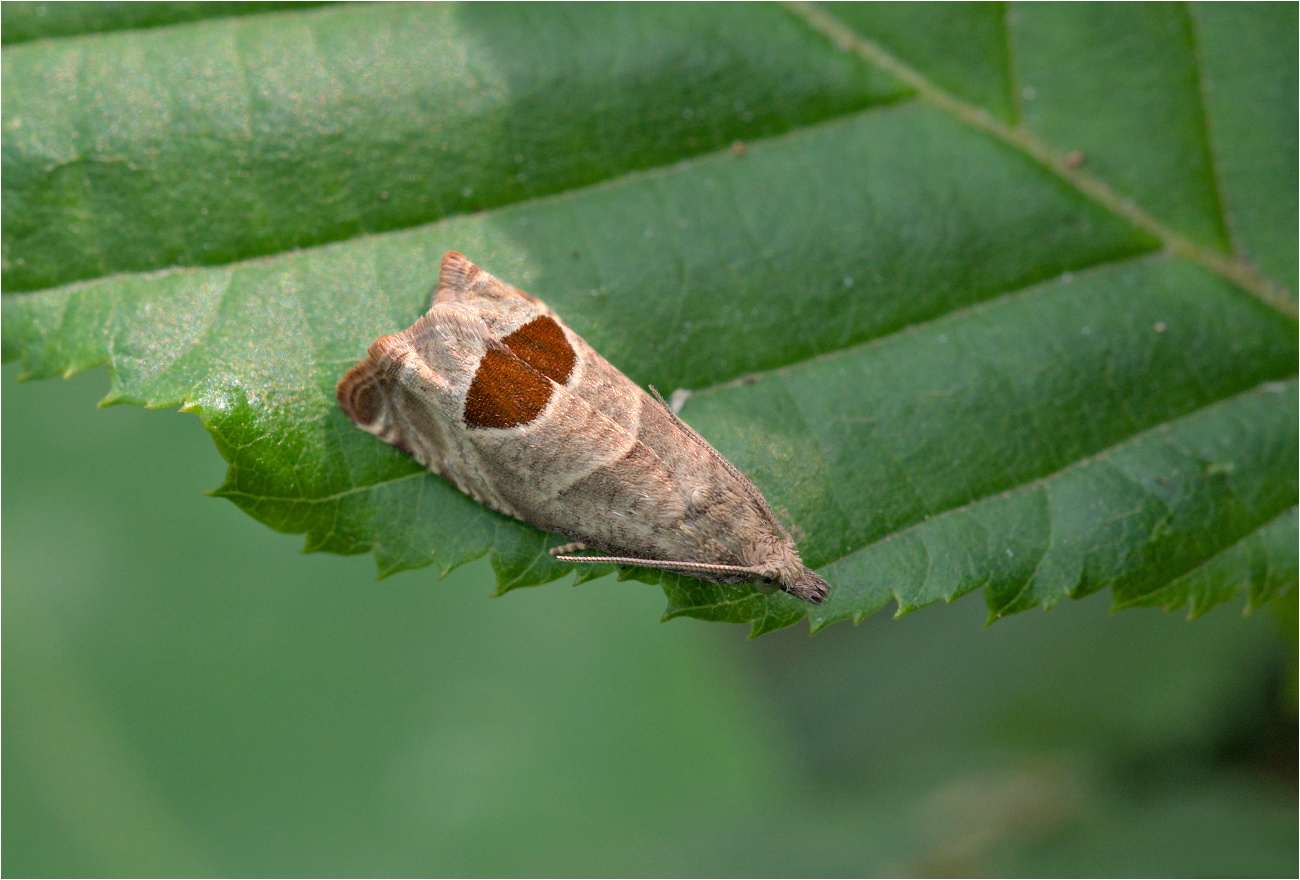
{"x":945,"y":347}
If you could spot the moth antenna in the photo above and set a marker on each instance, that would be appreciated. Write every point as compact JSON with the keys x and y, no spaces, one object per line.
{"x":661,"y":563}
{"x":718,"y":457}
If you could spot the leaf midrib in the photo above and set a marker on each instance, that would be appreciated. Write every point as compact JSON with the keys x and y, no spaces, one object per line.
{"x":1232,"y":268}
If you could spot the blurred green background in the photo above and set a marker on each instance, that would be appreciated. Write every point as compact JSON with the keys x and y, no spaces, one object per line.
{"x":185,"y":693}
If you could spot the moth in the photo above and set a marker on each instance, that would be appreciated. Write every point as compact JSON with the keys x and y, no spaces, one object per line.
{"x":493,"y":392}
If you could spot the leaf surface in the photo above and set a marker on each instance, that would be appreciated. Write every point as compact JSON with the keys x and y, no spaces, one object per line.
{"x":245,"y":136}
{"x":951,"y":352}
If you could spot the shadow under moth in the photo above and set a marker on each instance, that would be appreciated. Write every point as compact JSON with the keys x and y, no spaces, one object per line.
{"x":493,"y":392}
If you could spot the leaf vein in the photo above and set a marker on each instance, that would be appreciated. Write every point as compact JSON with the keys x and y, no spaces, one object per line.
{"x":324,"y":499}
{"x":1039,"y":482}
{"x":1231,"y":267}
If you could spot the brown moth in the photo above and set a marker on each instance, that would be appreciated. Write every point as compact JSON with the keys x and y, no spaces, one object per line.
{"x":493,"y":392}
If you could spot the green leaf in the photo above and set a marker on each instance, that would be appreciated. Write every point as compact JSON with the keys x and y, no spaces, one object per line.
{"x":959,"y":341}
{"x":234,"y":138}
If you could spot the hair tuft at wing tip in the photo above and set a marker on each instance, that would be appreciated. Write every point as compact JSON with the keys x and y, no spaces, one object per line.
{"x":810,"y":587}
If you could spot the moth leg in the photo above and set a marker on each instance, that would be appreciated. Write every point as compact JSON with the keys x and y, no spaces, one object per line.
{"x":568,"y":548}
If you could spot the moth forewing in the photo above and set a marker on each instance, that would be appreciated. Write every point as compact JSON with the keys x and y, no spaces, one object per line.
{"x":491,"y":390}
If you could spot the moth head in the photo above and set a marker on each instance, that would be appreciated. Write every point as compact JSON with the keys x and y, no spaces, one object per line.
{"x":362,"y":392}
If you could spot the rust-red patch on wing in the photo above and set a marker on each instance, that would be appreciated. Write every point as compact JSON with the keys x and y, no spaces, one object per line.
{"x":505,"y":392}
{"x":541,"y":344}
